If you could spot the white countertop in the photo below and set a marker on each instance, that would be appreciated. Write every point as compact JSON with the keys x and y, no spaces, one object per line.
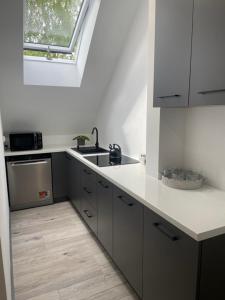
{"x":46,"y":149}
{"x":199,"y":213}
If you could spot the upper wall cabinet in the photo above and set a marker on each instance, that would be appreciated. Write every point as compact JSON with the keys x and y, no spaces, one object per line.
{"x":189,"y":53}
{"x":172,"y":52}
{"x":208,"y":60}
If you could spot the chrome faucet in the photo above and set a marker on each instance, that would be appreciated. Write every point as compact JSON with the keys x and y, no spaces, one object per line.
{"x":95,"y":129}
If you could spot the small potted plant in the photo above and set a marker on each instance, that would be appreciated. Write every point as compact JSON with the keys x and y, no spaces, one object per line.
{"x":81,"y":139}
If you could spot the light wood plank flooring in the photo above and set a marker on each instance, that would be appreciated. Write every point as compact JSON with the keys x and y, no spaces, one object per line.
{"x":55,"y":257}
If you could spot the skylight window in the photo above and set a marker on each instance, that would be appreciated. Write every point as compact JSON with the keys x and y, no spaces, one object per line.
{"x":53,"y":28}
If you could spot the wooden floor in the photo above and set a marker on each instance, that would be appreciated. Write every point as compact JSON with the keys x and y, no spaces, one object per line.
{"x":56,"y":258}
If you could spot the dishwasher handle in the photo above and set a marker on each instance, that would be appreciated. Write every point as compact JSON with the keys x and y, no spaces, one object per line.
{"x":28,"y":163}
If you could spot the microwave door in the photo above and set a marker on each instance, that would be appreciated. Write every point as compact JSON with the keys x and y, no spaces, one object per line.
{"x":22,"y":142}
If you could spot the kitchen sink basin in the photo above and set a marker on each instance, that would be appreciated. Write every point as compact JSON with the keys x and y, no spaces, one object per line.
{"x":90,"y":150}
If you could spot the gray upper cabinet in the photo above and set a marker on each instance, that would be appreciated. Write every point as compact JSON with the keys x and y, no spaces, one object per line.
{"x":208,"y":62}
{"x":189,"y":53}
{"x":172,"y":52}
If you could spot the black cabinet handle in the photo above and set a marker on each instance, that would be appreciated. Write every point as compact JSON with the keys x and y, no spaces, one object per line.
{"x":68,"y":157}
{"x":87,"y":172}
{"x":169,"y":96}
{"x":105,"y":186}
{"x":86,"y":190}
{"x":166,"y":232}
{"x":87,"y":213}
{"x":122,"y":198}
{"x":211,"y":92}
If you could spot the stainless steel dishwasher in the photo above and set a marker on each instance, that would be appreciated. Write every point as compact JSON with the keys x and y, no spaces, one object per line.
{"x":29,"y":183}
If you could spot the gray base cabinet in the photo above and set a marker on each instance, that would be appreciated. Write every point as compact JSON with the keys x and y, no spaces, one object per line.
{"x":212,"y":271}
{"x":89,"y":214}
{"x":159,"y":261}
{"x":177,"y":267}
{"x":170,"y":261}
{"x":74,"y":182}
{"x":89,"y":203}
{"x":105,"y":213}
{"x":59,"y":176}
{"x":128,"y":237}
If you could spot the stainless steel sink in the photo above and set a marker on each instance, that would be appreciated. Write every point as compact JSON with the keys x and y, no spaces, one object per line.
{"x":90,"y":150}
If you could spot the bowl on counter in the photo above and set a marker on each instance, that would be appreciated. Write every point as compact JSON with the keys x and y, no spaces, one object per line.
{"x":182,"y":179}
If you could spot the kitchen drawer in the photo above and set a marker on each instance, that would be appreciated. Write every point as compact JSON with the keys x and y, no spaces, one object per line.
{"x":90,"y":215}
{"x":89,"y":186}
{"x":170,"y":261}
{"x":105,"y":213}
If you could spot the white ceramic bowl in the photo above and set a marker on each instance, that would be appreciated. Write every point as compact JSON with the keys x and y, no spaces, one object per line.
{"x":182,"y":184}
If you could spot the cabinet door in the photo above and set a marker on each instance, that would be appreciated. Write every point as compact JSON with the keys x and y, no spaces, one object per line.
{"x":89,"y":185}
{"x":75,"y":184}
{"x":105,"y":204}
{"x":59,"y":176}
{"x":208,"y":63}
{"x":128,"y":237}
{"x":212,"y":279}
{"x":170,"y":261}
{"x":69,"y":175}
{"x":173,"y":36}
{"x":89,"y":206}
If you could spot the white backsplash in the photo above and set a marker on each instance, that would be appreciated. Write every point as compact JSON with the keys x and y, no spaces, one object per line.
{"x":52,"y":140}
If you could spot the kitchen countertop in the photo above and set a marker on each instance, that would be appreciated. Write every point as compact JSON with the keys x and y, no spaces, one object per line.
{"x":46,"y":149}
{"x":199,"y":213}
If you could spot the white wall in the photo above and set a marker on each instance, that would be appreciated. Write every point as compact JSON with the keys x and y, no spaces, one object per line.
{"x":50,"y":73}
{"x":4,"y":220}
{"x":153,"y":114}
{"x":205,"y":143}
{"x":172,"y":138}
{"x":59,"y":110}
{"x":122,"y":113}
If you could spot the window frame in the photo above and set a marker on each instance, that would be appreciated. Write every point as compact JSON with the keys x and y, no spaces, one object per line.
{"x":74,"y":39}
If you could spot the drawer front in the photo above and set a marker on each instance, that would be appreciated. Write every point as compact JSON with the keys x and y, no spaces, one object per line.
{"x":105,"y":213}
{"x":89,"y":186}
{"x":170,"y":261}
{"x":90,"y":215}
{"x":128,"y":237}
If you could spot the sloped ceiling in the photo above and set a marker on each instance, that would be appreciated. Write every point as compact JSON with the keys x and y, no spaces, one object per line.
{"x":55,"y":110}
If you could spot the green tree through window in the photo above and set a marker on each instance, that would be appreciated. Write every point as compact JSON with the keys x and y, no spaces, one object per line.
{"x":51,"y":23}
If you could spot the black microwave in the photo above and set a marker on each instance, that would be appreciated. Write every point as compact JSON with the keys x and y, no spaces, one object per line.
{"x":25,"y":141}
